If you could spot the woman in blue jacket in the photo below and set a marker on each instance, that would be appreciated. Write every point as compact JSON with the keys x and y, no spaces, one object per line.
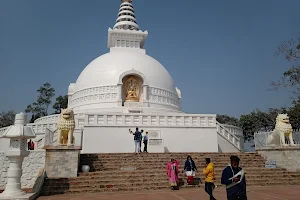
{"x":190,"y":168}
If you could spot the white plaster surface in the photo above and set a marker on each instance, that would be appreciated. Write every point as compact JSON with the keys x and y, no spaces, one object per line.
{"x":118,"y":139}
{"x":224,"y":145}
{"x":31,"y":167}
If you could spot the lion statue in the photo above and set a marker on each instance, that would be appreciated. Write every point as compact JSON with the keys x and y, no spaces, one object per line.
{"x":66,"y":126}
{"x":283,"y":129}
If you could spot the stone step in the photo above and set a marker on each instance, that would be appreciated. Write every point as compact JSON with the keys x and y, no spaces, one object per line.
{"x":62,"y":190}
{"x":158,"y":161}
{"x":163,"y":176}
{"x":142,"y":180}
{"x":258,"y":169}
{"x":165,"y":156}
{"x":130,"y":187}
{"x":139,"y":172}
{"x":162,"y":171}
{"x":175,"y":154}
{"x":158,"y":168}
{"x":163,"y":165}
{"x":138,"y":157}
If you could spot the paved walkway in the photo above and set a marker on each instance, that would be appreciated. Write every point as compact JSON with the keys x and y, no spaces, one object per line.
{"x":257,"y":193}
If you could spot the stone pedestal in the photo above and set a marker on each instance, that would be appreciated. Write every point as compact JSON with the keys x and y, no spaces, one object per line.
{"x":62,"y":161}
{"x":285,"y":157}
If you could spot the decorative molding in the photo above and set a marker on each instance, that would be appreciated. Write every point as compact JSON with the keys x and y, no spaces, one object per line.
{"x":133,"y":72}
{"x":95,"y":94}
{"x":162,"y":96}
{"x":163,"y":92}
{"x":133,"y":104}
{"x":47,"y":119}
{"x":134,"y":119}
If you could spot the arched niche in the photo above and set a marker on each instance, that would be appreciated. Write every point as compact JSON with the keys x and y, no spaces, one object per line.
{"x":133,"y":72}
{"x":142,"y":83}
{"x":132,"y":88}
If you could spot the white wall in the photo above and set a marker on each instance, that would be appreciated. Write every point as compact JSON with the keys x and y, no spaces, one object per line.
{"x":118,"y":140}
{"x":225,"y":146}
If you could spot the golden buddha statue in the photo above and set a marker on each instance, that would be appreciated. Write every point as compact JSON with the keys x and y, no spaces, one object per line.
{"x":132,"y":91}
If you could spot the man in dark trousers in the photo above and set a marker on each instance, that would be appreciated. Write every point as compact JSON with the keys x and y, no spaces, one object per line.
{"x":209,"y":173}
{"x":137,"y":139}
{"x":146,"y":142}
{"x":234,"y":179}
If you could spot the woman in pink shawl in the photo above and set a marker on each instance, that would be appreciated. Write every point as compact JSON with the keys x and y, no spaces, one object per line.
{"x":172,"y":171}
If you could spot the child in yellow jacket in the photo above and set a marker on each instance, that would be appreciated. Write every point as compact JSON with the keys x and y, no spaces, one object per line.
{"x":209,"y":173}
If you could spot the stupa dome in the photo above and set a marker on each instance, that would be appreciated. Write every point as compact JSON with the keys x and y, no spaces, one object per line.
{"x":126,"y":78}
{"x":108,"y":68}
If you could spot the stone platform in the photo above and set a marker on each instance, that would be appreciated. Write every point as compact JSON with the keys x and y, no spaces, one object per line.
{"x":62,"y":161}
{"x":285,"y":157}
{"x":253,"y":193}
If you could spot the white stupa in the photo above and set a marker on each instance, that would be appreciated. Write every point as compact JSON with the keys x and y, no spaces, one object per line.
{"x":101,"y":86}
{"x":125,"y":89}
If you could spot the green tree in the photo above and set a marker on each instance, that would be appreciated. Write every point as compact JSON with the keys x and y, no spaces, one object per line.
{"x":61,"y":102}
{"x":259,"y":121}
{"x":7,"y":118}
{"x":225,"y":119}
{"x":291,"y":78}
{"x":44,"y":99}
{"x":294,"y":114}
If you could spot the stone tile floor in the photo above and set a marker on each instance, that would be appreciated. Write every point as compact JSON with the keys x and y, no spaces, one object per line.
{"x":254,"y":193}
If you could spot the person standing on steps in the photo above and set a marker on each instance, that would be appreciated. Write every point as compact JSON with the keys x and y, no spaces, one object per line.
{"x":172,"y":172}
{"x":190,"y":169}
{"x":209,"y":173}
{"x":141,"y":139}
{"x":145,"y":142}
{"x":29,"y":145}
{"x":137,"y":139}
{"x":32,"y":145}
{"x":234,"y":178}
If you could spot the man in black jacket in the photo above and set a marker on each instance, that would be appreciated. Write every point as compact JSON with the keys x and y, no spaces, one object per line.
{"x":137,"y":139}
{"x":234,"y":179}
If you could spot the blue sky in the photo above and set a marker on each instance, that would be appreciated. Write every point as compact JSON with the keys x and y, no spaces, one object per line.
{"x":219,"y":53}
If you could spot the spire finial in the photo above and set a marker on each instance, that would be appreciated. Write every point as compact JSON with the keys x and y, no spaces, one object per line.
{"x":126,"y":17}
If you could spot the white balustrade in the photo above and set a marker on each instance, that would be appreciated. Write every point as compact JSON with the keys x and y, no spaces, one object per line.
{"x":2,"y":130}
{"x":132,"y":119}
{"x":228,"y":135}
{"x":234,"y":129}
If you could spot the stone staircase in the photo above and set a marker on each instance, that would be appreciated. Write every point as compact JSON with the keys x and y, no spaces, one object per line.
{"x":131,"y":172}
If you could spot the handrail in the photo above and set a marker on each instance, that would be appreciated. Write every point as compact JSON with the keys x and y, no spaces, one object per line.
{"x":2,"y":130}
{"x":221,"y":127}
